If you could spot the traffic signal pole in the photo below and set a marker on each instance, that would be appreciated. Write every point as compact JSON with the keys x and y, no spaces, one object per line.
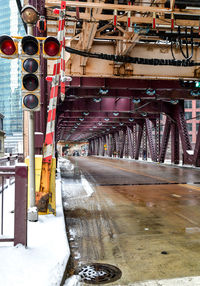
{"x":32,"y":212}
{"x":29,"y":53}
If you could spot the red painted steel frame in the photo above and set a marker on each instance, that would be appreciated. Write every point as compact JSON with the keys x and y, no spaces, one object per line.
{"x":21,"y":189}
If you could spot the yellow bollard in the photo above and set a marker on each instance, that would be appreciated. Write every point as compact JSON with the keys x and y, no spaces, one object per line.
{"x":51,"y":209}
{"x":38,"y":168}
{"x":52,"y":189}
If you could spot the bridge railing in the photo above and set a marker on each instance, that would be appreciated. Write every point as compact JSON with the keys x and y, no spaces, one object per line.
{"x":11,"y":160}
{"x":20,"y":172}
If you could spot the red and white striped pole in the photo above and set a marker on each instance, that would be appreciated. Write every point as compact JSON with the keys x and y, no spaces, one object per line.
{"x":62,"y":80}
{"x":115,"y":19}
{"x":59,"y":65}
{"x":154,"y":20}
{"x":172,"y":21}
{"x":129,"y":19}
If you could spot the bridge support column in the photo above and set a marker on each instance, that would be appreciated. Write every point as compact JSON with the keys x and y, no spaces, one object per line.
{"x":130,"y":142}
{"x":157,"y":137}
{"x":122,"y":142}
{"x":139,"y":140}
{"x":110,"y":146}
{"x":150,"y":140}
{"x":144,"y":147}
{"x":178,"y":115}
{"x":174,"y":144}
{"x":126,"y":145}
{"x":165,"y":140}
{"x":197,"y":150}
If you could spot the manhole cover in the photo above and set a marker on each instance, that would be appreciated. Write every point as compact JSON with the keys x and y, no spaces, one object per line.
{"x":98,"y":273}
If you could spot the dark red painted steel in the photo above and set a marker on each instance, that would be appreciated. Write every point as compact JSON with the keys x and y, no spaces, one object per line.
{"x":118,"y":83}
{"x":139,"y":139}
{"x":175,"y":144}
{"x":165,"y":140}
{"x":126,"y":148}
{"x":122,"y":142}
{"x":130,"y":141}
{"x":110,"y":152}
{"x":150,"y":140}
{"x":157,"y":137}
{"x":21,"y":189}
{"x":196,"y":161}
{"x":178,"y":116}
{"x":116,"y":135}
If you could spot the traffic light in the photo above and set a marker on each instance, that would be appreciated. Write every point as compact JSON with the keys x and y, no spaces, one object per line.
{"x":30,"y":74}
{"x":51,"y":48}
{"x":8,"y":47}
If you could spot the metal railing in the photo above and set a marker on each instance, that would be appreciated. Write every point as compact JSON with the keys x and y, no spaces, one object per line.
{"x":11,"y":159}
{"x":20,"y":172}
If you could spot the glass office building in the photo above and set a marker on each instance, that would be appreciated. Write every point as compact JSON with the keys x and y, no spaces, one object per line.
{"x":10,"y":79}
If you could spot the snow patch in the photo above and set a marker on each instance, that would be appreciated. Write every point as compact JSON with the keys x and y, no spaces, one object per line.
{"x":87,"y":186}
{"x":190,"y":152}
{"x":73,"y":281}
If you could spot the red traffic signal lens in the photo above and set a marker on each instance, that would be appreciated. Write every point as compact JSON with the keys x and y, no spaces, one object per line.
{"x":51,"y":46}
{"x":30,"y":65}
{"x":7,"y":45}
{"x":30,"y":101}
{"x":30,"y":82}
{"x":30,"y":45}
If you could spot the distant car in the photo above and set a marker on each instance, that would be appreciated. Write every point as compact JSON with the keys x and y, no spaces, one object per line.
{"x":76,"y":153}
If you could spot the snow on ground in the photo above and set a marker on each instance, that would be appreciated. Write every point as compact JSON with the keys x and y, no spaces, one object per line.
{"x":43,"y":262}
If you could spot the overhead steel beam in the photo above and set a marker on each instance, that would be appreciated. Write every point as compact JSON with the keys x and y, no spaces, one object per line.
{"x":134,"y":8}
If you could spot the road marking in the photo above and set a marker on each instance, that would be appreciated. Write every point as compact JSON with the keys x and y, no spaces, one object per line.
{"x":186,"y":218}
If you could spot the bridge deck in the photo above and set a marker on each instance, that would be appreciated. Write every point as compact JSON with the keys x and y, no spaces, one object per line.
{"x":143,"y":218}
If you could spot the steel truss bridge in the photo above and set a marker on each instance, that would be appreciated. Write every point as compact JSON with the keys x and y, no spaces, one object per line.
{"x":129,"y":61}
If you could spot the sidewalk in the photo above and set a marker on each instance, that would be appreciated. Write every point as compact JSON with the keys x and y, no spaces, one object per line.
{"x":43,"y":262}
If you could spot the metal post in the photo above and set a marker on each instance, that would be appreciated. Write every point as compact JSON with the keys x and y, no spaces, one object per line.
{"x":2,"y":202}
{"x":31,"y":160}
{"x":32,"y":212}
{"x":21,"y":186}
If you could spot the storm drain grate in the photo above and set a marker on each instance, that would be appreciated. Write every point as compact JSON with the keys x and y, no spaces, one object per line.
{"x":99,"y":273}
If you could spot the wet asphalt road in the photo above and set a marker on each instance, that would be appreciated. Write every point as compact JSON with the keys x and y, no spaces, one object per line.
{"x":128,"y":172}
{"x":143,"y":218}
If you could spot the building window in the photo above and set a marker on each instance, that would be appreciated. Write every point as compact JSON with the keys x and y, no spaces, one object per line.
{"x":198,"y":115}
{"x":190,"y":137}
{"x":1,"y":124}
{"x":189,"y":126}
{"x":188,"y":115}
{"x":197,"y":127}
{"x":188,"y":103}
{"x":197,"y":103}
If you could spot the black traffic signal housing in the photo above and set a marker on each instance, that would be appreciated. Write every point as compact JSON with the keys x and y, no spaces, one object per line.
{"x":30,"y":73}
{"x":8,"y":47}
{"x":51,"y":48}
